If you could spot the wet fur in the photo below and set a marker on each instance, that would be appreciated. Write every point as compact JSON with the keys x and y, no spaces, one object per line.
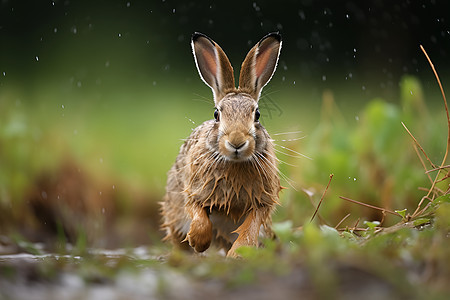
{"x":212,"y":196}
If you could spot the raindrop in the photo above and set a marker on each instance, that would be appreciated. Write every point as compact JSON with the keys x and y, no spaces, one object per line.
{"x":354,"y":50}
{"x":55,"y":30}
{"x":283,"y":78}
{"x":324,"y":77}
{"x":62,"y":106}
{"x":103,"y":210}
{"x":411,"y":92}
{"x":128,"y":4}
{"x":357,"y":118}
{"x":294,"y":82}
{"x":74,"y":29}
{"x":120,"y":35}
{"x":4,"y":73}
{"x":190,"y":120}
{"x":363,"y":87}
{"x":173,"y":10}
{"x":301,"y":14}
{"x":113,"y":187}
{"x":100,"y":193}
{"x":79,"y":84}
{"x":44,"y":195}
{"x":53,"y":3}
{"x":37,"y":58}
{"x":107,"y":64}
{"x":350,"y":75}
{"x":154,"y":82}
{"x":347,"y":16}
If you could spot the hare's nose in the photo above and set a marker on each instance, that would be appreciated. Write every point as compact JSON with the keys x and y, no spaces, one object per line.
{"x":237,"y":147}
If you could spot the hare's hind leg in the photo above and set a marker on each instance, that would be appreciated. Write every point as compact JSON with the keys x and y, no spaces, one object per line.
{"x":248,"y":231}
{"x":200,"y":231}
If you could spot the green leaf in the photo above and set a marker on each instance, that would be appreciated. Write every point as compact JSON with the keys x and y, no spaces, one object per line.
{"x":348,"y":235}
{"x":283,"y":230}
{"x":442,"y":199}
{"x":402,"y":213}
{"x":329,"y":231}
{"x":247,"y":251}
{"x":421,"y":221}
{"x":372,"y":224}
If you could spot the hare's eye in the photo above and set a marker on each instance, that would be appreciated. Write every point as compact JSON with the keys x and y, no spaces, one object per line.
{"x":216,"y":115}
{"x":257,"y":115}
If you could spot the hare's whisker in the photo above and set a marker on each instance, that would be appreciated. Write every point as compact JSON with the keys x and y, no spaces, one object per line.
{"x":285,"y":177}
{"x":285,"y":133}
{"x":291,"y":140}
{"x":287,"y":154}
{"x":281,"y":161}
{"x":293,"y":151}
{"x":269,"y":168}
{"x":205,"y":157}
{"x":259,"y":167}
{"x":202,"y":98}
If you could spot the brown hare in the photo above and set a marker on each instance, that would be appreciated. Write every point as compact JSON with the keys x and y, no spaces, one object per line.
{"x":224,"y":185}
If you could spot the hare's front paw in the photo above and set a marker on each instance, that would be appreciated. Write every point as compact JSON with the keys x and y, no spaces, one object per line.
{"x":200,"y":234}
{"x":238,"y":243}
{"x":232,"y":253}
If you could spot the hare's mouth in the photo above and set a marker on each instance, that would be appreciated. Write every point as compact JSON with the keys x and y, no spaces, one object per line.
{"x":237,"y":151}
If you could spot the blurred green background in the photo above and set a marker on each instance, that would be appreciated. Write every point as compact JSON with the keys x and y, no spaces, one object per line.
{"x":97,"y":97}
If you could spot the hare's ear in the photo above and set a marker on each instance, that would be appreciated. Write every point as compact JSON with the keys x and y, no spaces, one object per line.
{"x":260,"y":64}
{"x":213,"y":65}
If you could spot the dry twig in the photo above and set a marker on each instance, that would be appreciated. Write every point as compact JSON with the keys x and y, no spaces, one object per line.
{"x":321,"y":199}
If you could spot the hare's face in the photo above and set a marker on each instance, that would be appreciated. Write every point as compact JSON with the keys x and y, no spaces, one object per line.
{"x":236,"y":134}
{"x":237,"y":118}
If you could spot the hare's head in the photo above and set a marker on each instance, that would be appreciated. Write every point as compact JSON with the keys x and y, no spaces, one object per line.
{"x":237,"y":134}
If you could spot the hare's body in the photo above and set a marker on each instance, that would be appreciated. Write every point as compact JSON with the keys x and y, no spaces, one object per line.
{"x":224,"y":184}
